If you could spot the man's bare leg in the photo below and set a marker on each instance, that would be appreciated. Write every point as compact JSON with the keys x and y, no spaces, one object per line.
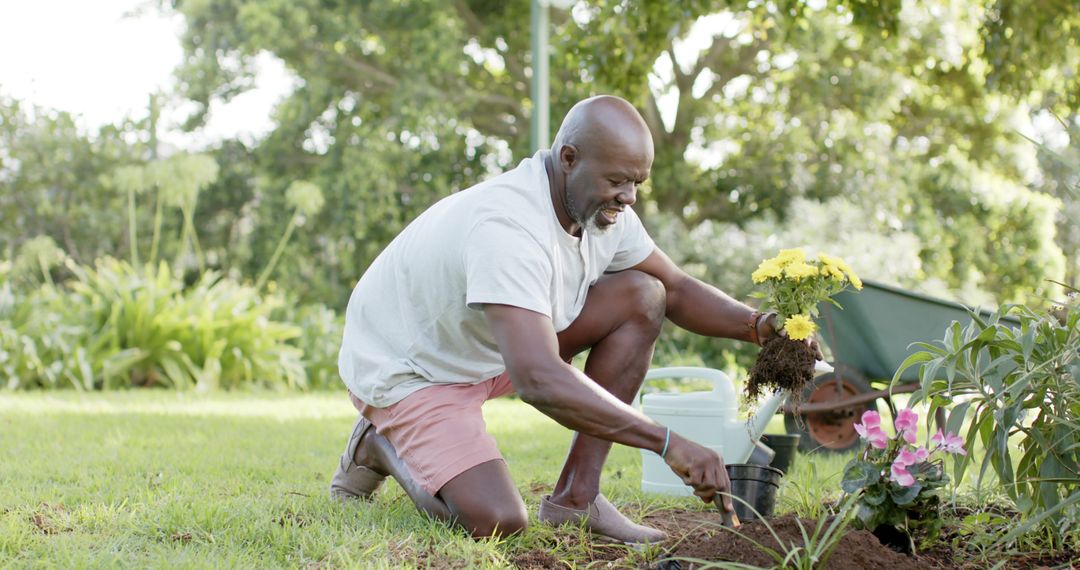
{"x":621,"y":321}
{"x":483,"y":500}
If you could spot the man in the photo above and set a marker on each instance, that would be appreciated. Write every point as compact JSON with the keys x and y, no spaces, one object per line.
{"x":493,"y":290}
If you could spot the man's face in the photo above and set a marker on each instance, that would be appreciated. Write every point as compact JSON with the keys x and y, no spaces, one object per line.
{"x":602,"y":183}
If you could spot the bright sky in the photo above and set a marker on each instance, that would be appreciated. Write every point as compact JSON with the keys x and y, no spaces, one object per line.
{"x":100,"y":59}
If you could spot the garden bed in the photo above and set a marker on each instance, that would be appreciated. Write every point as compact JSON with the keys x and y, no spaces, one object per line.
{"x":698,"y":535}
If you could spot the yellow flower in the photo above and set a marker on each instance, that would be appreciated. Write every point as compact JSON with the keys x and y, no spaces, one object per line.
{"x":788,"y":256}
{"x":768,"y":269}
{"x":855,"y":281}
{"x":801,"y":270}
{"x":832,"y":272}
{"x":832,"y":264}
{"x":799,"y":327}
{"x":829,"y":260}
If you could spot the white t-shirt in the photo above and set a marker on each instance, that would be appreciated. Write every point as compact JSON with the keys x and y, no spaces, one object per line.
{"x":416,"y":317}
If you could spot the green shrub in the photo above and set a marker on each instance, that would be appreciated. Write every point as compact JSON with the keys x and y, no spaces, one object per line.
{"x":39,"y":347}
{"x":116,"y":326}
{"x":319,"y":340}
{"x":1022,"y":386}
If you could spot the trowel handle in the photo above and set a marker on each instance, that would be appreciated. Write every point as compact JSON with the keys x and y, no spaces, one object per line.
{"x":728,"y":518}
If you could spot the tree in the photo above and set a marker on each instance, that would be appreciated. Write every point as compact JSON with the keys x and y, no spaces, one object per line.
{"x":404,"y":102}
{"x":54,"y":181}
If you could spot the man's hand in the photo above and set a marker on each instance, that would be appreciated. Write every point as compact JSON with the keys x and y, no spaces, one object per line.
{"x":767,"y":330}
{"x":701,"y":468}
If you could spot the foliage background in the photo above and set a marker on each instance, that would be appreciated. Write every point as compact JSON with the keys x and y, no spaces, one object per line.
{"x":891,"y":133}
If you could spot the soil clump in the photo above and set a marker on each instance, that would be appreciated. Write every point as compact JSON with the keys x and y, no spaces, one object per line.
{"x":782,"y":364}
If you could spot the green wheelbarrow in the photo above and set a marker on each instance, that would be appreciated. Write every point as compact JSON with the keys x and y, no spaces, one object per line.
{"x":869,"y":339}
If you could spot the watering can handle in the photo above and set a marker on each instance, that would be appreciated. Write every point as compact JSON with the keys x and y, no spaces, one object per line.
{"x":715,"y":376}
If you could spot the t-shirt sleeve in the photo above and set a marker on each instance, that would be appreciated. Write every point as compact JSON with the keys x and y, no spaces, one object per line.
{"x":634,"y":243}
{"x":506,"y":265}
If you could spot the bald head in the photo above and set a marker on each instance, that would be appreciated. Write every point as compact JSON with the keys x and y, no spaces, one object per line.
{"x":603,"y":123}
{"x":602,"y":153}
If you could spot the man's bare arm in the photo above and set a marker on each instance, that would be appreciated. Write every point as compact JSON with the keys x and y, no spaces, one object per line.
{"x":699,"y":307}
{"x":530,"y":349}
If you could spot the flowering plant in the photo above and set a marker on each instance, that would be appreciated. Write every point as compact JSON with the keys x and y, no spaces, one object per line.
{"x":896,"y":483}
{"x":796,"y":286}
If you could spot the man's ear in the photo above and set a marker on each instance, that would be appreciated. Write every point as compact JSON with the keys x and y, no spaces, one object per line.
{"x":568,"y":156}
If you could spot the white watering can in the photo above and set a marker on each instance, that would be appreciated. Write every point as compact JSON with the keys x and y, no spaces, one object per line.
{"x":709,"y":418}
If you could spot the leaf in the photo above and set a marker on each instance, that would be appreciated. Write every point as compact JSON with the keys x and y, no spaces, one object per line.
{"x":1027,"y":342}
{"x":874,"y":495}
{"x":1034,"y":521}
{"x":956,"y":417}
{"x":859,"y":474}
{"x":905,"y":495}
{"x":929,"y":372}
{"x":866,"y":515}
{"x":977,"y":318}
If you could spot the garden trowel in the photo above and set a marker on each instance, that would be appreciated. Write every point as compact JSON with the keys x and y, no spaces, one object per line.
{"x":728,"y":518}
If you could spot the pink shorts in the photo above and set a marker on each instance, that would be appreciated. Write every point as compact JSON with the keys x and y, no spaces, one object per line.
{"x":439,"y":431}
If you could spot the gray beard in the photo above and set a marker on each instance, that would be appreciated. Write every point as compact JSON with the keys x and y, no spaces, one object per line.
{"x":590,"y":226}
{"x":594,"y":229}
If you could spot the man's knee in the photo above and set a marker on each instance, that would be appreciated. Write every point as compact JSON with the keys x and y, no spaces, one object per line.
{"x":645,"y":296}
{"x":495,"y":520}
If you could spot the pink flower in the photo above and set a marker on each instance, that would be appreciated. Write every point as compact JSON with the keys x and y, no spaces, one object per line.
{"x":906,"y":458}
{"x":870,"y":430}
{"x":900,"y":475}
{"x":921,"y":454}
{"x":878,"y":439}
{"x":907,"y":423}
{"x":949,"y":442}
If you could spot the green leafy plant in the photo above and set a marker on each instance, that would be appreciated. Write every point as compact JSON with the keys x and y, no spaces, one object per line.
{"x":148,"y":329}
{"x":320,"y":339}
{"x":117,"y":326}
{"x":896,"y":484}
{"x":39,"y":347}
{"x":1021,"y":386}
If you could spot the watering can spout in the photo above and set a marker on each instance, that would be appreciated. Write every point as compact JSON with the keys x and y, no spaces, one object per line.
{"x":757,"y":423}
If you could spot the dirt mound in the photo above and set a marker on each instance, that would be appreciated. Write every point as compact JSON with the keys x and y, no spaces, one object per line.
{"x":698,"y":535}
{"x":703,"y":539}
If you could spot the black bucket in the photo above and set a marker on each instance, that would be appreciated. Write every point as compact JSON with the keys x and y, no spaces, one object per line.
{"x":756,"y":485}
{"x":785,"y":445}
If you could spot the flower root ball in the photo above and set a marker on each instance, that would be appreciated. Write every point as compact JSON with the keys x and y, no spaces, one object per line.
{"x":782,"y":364}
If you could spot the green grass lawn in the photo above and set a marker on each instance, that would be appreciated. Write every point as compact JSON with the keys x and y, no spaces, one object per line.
{"x":160,"y":479}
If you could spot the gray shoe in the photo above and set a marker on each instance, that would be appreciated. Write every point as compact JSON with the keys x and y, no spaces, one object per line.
{"x":602,"y":519}
{"x":352,"y":481}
